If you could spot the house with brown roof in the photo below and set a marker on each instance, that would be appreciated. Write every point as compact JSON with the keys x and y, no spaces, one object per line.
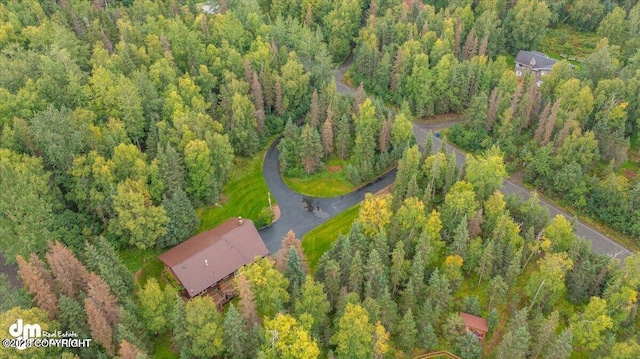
{"x":203,"y":261}
{"x":475,"y":324}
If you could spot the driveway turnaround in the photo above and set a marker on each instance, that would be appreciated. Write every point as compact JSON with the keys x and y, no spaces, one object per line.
{"x":303,"y":213}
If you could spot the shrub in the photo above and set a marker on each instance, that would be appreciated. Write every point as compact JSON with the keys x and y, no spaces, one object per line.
{"x":265,"y":217}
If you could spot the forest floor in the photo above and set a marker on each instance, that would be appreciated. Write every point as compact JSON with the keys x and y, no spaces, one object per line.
{"x":329,"y":182}
{"x":631,"y":168}
{"x":319,"y":240}
{"x":245,"y":194}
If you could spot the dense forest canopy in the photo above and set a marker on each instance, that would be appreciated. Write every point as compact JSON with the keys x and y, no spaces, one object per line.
{"x":119,"y":119}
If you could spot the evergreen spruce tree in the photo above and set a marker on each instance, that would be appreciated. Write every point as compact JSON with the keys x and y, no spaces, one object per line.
{"x":407,"y":333}
{"x":311,"y":151}
{"x":468,"y":346}
{"x":172,"y":168}
{"x":294,"y":274}
{"x":377,"y":278}
{"x":356,"y":274}
{"x":428,"y":337}
{"x":236,"y":336}
{"x":72,"y":316}
{"x":183,"y":220}
{"x":343,"y":140}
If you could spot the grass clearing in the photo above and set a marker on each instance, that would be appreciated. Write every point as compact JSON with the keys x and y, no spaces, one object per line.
{"x":134,"y":258}
{"x":162,"y":347}
{"x":319,"y":240}
{"x":566,"y":40}
{"x":245,"y":194}
{"x":329,"y":182}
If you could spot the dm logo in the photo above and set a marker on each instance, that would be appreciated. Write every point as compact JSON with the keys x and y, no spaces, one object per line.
{"x":22,"y":331}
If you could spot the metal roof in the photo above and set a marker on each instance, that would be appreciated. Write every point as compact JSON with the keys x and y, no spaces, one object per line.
{"x":205,"y":259}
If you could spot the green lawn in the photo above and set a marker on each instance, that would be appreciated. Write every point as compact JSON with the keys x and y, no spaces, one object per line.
{"x":245,"y":194}
{"x":319,"y":240}
{"x":325,"y":183}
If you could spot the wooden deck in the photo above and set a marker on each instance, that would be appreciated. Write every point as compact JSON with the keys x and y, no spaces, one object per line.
{"x":438,"y":354}
{"x":222,"y":293}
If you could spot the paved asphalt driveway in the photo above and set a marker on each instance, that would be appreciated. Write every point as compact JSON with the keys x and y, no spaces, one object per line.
{"x":301,"y":214}
{"x":600,"y":243}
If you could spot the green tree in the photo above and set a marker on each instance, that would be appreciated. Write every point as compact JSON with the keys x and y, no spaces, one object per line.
{"x":376,"y":276}
{"x":313,"y":301}
{"x":468,"y":345}
{"x":614,"y":26}
{"x":155,"y":303}
{"x":138,"y":222}
{"x":101,"y":258}
{"x":13,"y":297}
{"x":31,"y":315}
{"x":236,"y":337}
{"x":545,"y":334}
{"x":286,"y":338}
{"x":197,"y":158}
{"x":242,"y":126}
{"x":407,"y":332}
{"x":600,"y":64}
{"x":408,"y":167}
{"x":58,"y":136}
{"x":401,"y":134}
{"x":311,"y":151}
{"x":354,"y":335}
{"x":294,"y":273}
{"x":295,"y":82}
{"x":548,"y":281}
{"x":459,"y":203}
{"x":419,"y":87}
{"x":365,"y":141}
{"x":525,"y":24}
{"x":268,"y":285}
{"x":117,"y":97}
{"x":341,"y":26}
{"x":586,"y":14}
{"x":486,"y":173}
{"x":562,"y":347}
{"x":625,"y":350}
{"x":560,"y":233}
{"x":27,"y":205}
{"x":203,"y":336}
{"x":588,"y":326}
{"x":183,"y":219}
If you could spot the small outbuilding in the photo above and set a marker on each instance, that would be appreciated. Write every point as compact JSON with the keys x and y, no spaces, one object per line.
{"x":475,"y":324}
{"x":203,"y":261}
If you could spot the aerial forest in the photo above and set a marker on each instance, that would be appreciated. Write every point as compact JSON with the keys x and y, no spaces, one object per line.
{"x":120,"y":121}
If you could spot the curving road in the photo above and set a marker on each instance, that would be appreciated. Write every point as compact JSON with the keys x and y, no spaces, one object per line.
{"x":302,"y":213}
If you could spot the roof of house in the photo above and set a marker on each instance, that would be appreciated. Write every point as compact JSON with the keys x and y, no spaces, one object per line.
{"x":536,"y":60}
{"x":474,"y":322}
{"x":205,"y":259}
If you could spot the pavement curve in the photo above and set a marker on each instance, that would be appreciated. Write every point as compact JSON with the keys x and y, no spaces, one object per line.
{"x":302,"y":213}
